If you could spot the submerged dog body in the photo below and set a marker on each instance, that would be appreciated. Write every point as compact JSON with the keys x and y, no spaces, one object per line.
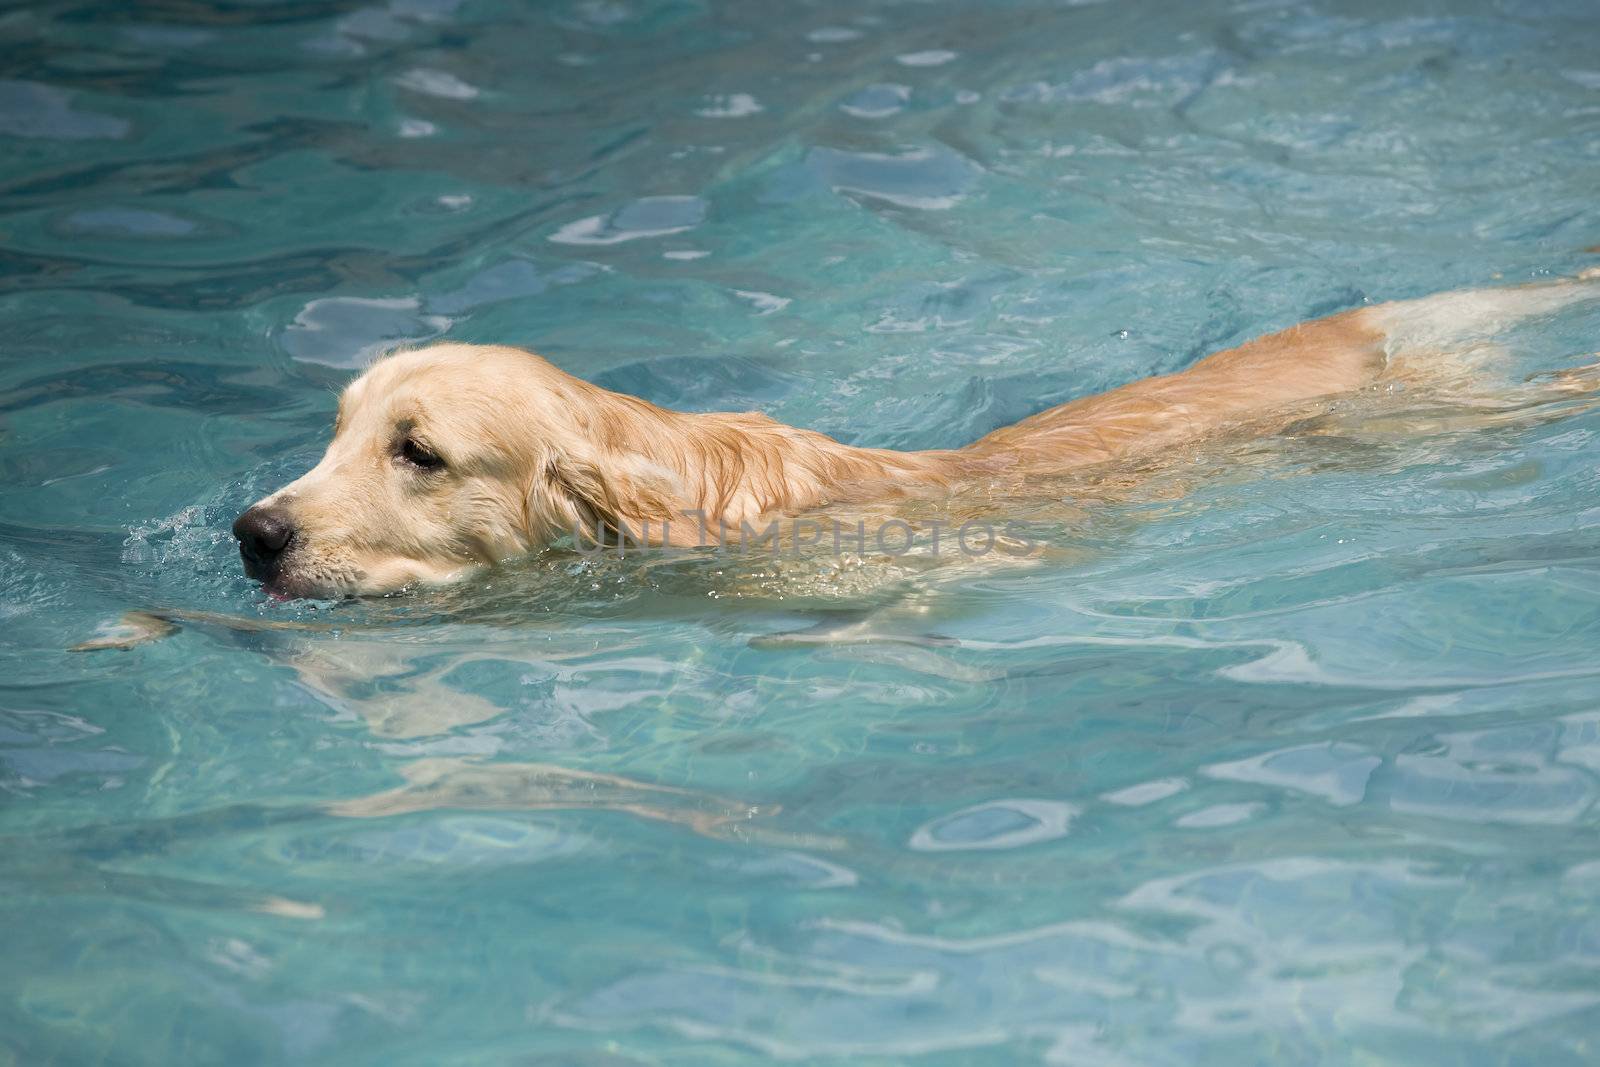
{"x":453,"y":456}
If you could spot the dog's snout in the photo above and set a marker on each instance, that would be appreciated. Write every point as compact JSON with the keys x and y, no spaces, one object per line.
{"x":264,"y":534}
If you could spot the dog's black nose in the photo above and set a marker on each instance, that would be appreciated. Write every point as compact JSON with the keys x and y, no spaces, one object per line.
{"x":263,"y":535}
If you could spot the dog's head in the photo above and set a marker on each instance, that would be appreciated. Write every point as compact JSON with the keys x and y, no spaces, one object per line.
{"x":442,"y":459}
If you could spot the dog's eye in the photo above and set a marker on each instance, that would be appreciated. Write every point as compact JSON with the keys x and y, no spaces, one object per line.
{"x":419,"y":456}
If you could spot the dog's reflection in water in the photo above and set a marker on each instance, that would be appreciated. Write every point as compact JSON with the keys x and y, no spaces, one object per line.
{"x":460,"y":784}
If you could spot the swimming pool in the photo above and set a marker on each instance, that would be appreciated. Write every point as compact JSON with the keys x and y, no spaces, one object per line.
{"x":1298,"y":767}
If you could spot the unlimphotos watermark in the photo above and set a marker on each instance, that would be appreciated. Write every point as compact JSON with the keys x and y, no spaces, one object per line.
{"x":794,"y":536}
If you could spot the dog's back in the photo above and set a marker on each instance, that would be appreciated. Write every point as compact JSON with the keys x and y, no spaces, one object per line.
{"x":1275,"y":376}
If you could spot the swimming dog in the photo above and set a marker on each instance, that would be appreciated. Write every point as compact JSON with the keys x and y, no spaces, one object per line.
{"x":453,"y":456}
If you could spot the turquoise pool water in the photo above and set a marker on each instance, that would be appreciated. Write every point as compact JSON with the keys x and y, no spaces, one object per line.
{"x":1301,"y":767}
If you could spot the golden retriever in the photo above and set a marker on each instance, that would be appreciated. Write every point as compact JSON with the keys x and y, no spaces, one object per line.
{"x":455,"y":456}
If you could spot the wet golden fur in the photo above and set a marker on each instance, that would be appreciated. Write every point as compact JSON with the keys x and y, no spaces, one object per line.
{"x":531,"y":453}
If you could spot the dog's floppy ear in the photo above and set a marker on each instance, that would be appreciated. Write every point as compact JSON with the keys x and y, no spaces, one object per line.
{"x":606,"y":507}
